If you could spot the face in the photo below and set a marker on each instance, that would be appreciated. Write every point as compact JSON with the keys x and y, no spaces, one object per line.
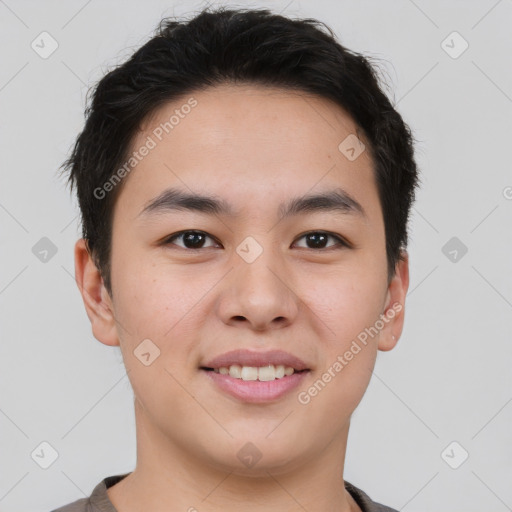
{"x":244,"y":271}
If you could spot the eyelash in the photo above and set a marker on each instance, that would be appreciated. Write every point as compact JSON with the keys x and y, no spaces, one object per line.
{"x":341,"y":242}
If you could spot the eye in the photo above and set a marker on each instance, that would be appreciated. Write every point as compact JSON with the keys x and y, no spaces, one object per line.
{"x":192,"y":239}
{"x":318,"y":240}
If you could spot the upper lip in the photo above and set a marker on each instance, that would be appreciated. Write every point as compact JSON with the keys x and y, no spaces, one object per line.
{"x":251,"y":358}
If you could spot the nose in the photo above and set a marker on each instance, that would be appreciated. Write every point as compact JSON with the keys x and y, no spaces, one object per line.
{"x":258,"y":295}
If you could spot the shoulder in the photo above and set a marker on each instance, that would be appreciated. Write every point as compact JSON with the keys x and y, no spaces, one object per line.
{"x":98,"y":501}
{"x":81,"y":505}
{"x":364,"y":501}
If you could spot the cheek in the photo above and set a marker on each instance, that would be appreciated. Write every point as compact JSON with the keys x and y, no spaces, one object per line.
{"x":347,"y":303}
{"x":144,"y":302}
{"x":348,"y":307}
{"x":164,"y":304}
{"x":155,"y":312}
{"x":156,"y":308}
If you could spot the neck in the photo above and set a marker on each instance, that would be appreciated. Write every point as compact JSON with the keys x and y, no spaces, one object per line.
{"x":168,"y":477}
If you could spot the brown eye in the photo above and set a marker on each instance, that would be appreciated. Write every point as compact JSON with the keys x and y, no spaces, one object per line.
{"x":194,"y":240}
{"x":190,"y":239}
{"x":319,"y":239}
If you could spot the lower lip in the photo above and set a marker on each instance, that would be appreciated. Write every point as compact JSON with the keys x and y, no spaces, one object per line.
{"x":255,"y":391}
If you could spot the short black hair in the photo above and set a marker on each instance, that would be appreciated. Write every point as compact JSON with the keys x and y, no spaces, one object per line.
{"x":253,"y":46}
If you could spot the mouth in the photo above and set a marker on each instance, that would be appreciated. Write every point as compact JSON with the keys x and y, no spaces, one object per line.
{"x":245,"y":388}
{"x":252,"y":373}
{"x":255,"y":377}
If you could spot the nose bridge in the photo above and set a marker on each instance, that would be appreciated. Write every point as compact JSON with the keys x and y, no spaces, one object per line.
{"x":258,"y":289}
{"x":257,"y":274}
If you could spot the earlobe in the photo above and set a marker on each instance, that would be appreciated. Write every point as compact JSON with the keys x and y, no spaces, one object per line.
{"x":393,"y":315}
{"x":97,"y":301}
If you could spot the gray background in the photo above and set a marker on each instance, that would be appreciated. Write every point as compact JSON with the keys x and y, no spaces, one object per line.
{"x":449,"y":378}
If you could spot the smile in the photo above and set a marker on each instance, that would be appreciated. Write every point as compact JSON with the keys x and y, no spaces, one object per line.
{"x":262,"y":373}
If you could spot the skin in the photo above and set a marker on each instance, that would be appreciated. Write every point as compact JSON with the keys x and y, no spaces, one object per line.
{"x":254,"y":147}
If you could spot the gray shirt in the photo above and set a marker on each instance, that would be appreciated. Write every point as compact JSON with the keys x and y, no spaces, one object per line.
{"x":99,"y":501}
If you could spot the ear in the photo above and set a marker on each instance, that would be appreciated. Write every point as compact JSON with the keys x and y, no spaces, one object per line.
{"x":394,"y":310}
{"x":97,"y":301}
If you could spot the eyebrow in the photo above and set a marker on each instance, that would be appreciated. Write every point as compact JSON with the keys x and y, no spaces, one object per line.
{"x":174,"y":199}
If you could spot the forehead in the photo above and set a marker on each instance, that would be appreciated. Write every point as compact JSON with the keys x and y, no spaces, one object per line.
{"x":246,"y":142}
{"x":249,"y":112}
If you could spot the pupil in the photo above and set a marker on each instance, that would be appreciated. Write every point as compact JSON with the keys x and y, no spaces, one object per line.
{"x":317,"y":239}
{"x":191,"y":239}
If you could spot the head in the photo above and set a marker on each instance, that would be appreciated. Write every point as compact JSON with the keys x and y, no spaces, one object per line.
{"x":254,"y":112}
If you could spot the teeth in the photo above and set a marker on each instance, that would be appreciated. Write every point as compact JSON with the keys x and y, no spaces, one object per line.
{"x":261,"y":373}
